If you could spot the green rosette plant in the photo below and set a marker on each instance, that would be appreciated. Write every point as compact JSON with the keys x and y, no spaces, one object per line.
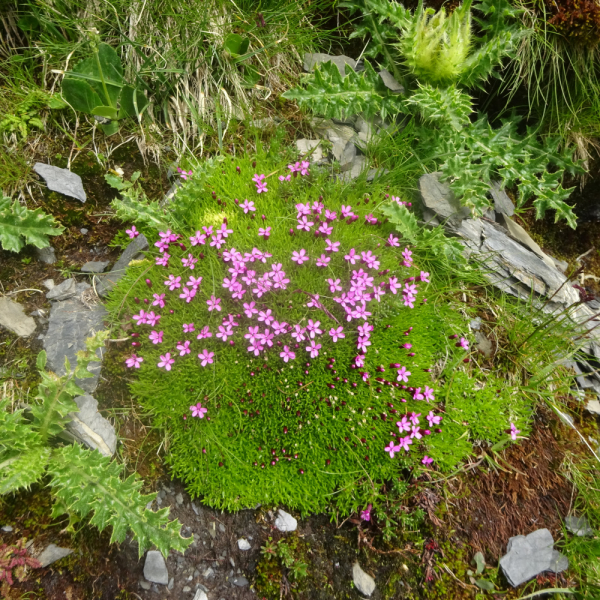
{"x":284,"y":340}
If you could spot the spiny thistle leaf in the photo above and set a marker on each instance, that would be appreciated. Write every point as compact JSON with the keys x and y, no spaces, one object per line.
{"x":17,"y":435}
{"x":20,"y":226}
{"x":443,"y":106}
{"x":85,"y":481}
{"x":21,"y":469}
{"x":147,"y":213}
{"x":405,"y":221}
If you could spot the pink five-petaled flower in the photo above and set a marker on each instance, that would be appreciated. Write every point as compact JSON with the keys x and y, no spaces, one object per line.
{"x":433,"y":419}
{"x":261,"y":187}
{"x":134,"y":361}
{"x":173,"y":282}
{"x":313,"y":349}
{"x":141,"y":318}
{"x":189,"y":262}
{"x":514,"y":431}
{"x":188,"y":327}
{"x":183,"y":348}
{"x":213,"y":304}
{"x":403,"y":375}
{"x":198,"y":410}
{"x":257,"y":178}
{"x":304,"y":224}
{"x":334,"y":285}
{"x":417,"y":395}
{"x":304,"y":166}
{"x":424,"y":277}
{"x":325,"y":229}
{"x":405,"y":442}
{"x":463,"y":343}
{"x":393,"y":240}
{"x":266,"y":232}
{"x":426,"y":460}
{"x":249,"y":309}
{"x":194,"y":282}
{"x":391,"y":448}
{"x":225,"y":331}
{"x":156,"y":337}
{"x":352,"y":257}
{"x":133,"y":232}
{"x":204,"y":333}
{"x":162,"y":261}
{"x":346,"y":211}
{"x":407,"y":254}
{"x":298,"y":333}
{"x":365,"y":515}
{"x":183,"y":174}
{"x":337,"y":334}
{"x":152,"y":319}
{"x":313,"y":328}
{"x":414,"y":418}
{"x":359,"y":361}
{"x":404,"y":425}
{"x":187,"y":294}
{"x":247,"y":206}
{"x":323,"y":260}
{"x":159,"y":300}
{"x":428,"y":394}
{"x":370,"y":219}
{"x":300,"y":257}
{"x":166,"y":361}
{"x":366,"y":376}
{"x":415,"y":432}
{"x":314,"y":301}
{"x":287,"y":354}
{"x":206,"y":357}
{"x":332,"y":246}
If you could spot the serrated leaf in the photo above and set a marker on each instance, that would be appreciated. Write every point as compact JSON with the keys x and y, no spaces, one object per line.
{"x":149,"y":214}
{"x":405,"y":221}
{"x":20,"y":226}
{"x":20,"y":470}
{"x":84,"y":481}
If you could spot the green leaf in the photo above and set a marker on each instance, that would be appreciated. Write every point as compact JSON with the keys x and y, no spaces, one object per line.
{"x":108,"y":112}
{"x":20,"y":226}
{"x":149,"y":214}
{"x":405,"y":221}
{"x":109,"y":128}
{"x":116,"y":182}
{"x":251,"y":76}
{"x":80,"y":95}
{"x":22,"y":469}
{"x":484,"y":584}
{"x":480,"y":562}
{"x":133,"y":102}
{"x":84,"y":481}
{"x":442,"y":106}
{"x":56,"y":103}
{"x":236,"y":45}
{"x":41,"y":360}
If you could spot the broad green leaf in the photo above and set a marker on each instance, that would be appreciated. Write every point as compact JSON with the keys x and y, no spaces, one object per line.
{"x":41,"y":360}
{"x":251,"y":76}
{"x":56,"y":103}
{"x":236,"y":45}
{"x":486,"y":585}
{"x":116,"y":182}
{"x":133,"y":102}
{"x":20,"y":226}
{"x":80,"y":95}
{"x":109,"y":128}
{"x":108,"y":112}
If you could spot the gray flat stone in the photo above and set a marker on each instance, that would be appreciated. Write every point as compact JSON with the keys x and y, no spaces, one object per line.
{"x":91,"y":428}
{"x":95,"y":266}
{"x":106,"y":283}
{"x":373,"y":174}
{"x":344,"y":153}
{"x":390,"y":82}
{"x":62,"y":181}
{"x":53,"y":553}
{"x":439,"y":198}
{"x":200,"y":595}
{"x":580,"y":526}
{"x":305,"y":146}
{"x":67,"y":289}
{"x":359,"y":164}
{"x":155,"y":568}
{"x":13,"y":318}
{"x":71,"y":323}
{"x":312,"y":59}
{"x":502,"y":203}
{"x":520,"y":235}
{"x":559,"y":562}
{"x":6,"y":528}
{"x":48,"y":284}
{"x":46,"y":255}
{"x":285,"y":522}
{"x":528,"y":556}
{"x":240,"y":581}
{"x":363,"y":582}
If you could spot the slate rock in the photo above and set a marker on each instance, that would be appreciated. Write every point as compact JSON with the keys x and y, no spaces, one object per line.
{"x":520,"y":235}
{"x":71,"y":323}
{"x":439,"y":198}
{"x":390,"y":82}
{"x":580,"y":526}
{"x":46,"y":255}
{"x":363,"y":582}
{"x":483,"y":344}
{"x":243,"y":544}
{"x":91,"y":428}
{"x":13,"y":318}
{"x":6,"y":528}
{"x":528,"y":556}
{"x":502,"y":203}
{"x":62,"y":181}
{"x":359,"y":164}
{"x":200,"y":595}
{"x":344,"y":153}
{"x":285,"y":522}
{"x":133,"y":251}
{"x":48,"y":284}
{"x":312,"y":59}
{"x":83,"y":231}
{"x":94,"y":266}
{"x":155,"y":568}
{"x":53,"y":553}
{"x":67,"y":289}
{"x":305,"y":146}
{"x":373,"y":174}
{"x":559,"y":562}
{"x":240,"y":581}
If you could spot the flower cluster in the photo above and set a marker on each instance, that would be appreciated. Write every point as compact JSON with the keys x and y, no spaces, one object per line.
{"x":299,"y":167}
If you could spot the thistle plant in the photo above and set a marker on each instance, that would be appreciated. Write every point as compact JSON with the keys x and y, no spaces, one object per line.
{"x":438,"y":59}
{"x":284,"y":340}
{"x":83,"y":481}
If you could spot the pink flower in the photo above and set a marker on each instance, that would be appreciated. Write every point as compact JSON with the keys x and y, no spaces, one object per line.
{"x":258,"y":178}
{"x":417,"y":395}
{"x":404,"y":425}
{"x":190,"y":261}
{"x":405,"y":442}
{"x":366,"y":376}
{"x":394,"y":285}
{"x":183,"y":174}
{"x":332,"y":246}
{"x":391,"y":448}
{"x":363,"y":343}
{"x":162,"y":261}
{"x":225,"y":332}
{"x":206,"y":357}
{"x":408,"y":301}
{"x":183,"y":348}
{"x":250,"y":310}
{"x":213,"y":304}
{"x":133,"y":232}
{"x":323,"y":260}
{"x":134,"y":361}
{"x":303,"y":209}
{"x":152,"y":319}
{"x":287,"y":177}
{"x":514,"y":431}
{"x":393,"y":240}
{"x":365,"y":515}
{"x":407,"y":254}
{"x":261,"y":187}
{"x":330,"y":215}
{"x":159,"y":300}
{"x":300,"y":257}
{"x":298,"y":333}
{"x":247,"y":206}
{"x":313,"y":349}
{"x":264,"y":232}
{"x":224,"y":231}
{"x":156,"y":337}
{"x":187,"y":294}
{"x":378,"y":292}
{"x":325,"y":229}
{"x":426,"y":460}
{"x":304,"y":224}
{"x":403,"y":375}
{"x":173,"y":282}
{"x":194,"y":282}
{"x":346,"y":211}
{"x":370,"y":219}
{"x":287,"y":354}
{"x":279,"y":328}
{"x":433,"y":419}
{"x":414,"y":418}
{"x":463,"y":343}
{"x":334,"y":285}
{"x":204,"y":333}
{"x":415,"y":432}
{"x":304,"y":166}
{"x":428,"y":394}
{"x":166,"y":361}
{"x":314,"y":301}
{"x":313,"y":328}
{"x":198,"y":410}
{"x":424,"y":277}
{"x":337,"y":334}
{"x":188,"y":327}
{"x":351,"y":257}
{"x":141,"y":318}
{"x":359,"y":361}
{"x":198,"y":239}
{"x":266,"y":316}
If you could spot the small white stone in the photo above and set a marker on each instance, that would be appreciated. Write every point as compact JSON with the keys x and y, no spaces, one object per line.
{"x":244,"y":544}
{"x":364,"y":583}
{"x":285,"y":522}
